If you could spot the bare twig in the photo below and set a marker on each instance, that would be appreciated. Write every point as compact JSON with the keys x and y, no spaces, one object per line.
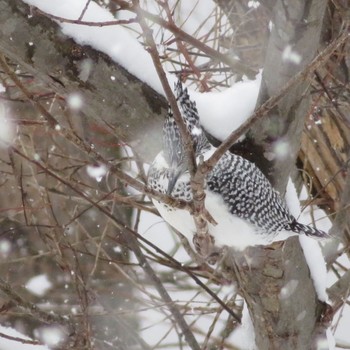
{"x":19,"y":340}
{"x":84,"y":10}
{"x":197,"y":179}
{"x":339,"y":291}
{"x":180,"y":44}
{"x":152,"y":48}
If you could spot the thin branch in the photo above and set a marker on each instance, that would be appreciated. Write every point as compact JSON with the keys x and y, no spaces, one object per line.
{"x":20,"y":340}
{"x":180,"y":44}
{"x":152,"y":49}
{"x":84,"y":10}
{"x":339,"y":291}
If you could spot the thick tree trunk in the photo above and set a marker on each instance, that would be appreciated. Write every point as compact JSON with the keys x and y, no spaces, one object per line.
{"x":276,"y":282}
{"x":281,"y":298}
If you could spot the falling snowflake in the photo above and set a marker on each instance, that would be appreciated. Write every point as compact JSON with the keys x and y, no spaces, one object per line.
{"x":96,"y":171}
{"x":39,"y":285}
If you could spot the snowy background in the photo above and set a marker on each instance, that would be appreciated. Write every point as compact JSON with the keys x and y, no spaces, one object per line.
{"x":121,"y":43}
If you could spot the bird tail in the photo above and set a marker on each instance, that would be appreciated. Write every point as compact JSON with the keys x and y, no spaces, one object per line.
{"x":297,"y":227}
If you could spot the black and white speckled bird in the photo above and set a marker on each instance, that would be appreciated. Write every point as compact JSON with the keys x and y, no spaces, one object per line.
{"x":248,"y":211}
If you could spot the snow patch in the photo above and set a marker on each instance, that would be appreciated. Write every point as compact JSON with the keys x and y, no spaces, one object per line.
{"x":244,"y":335}
{"x":317,"y":265}
{"x":223,"y":112}
{"x":330,"y":340}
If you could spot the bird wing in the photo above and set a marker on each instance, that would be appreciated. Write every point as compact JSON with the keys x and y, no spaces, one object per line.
{"x":248,"y":193}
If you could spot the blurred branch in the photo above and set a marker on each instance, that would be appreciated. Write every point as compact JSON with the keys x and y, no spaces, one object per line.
{"x":133,"y":245}
{"x":124,"y":228}
{"x":20,"y":340}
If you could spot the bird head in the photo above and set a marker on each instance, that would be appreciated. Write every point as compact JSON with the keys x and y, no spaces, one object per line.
{"x":173,"y":147}
{"x":172,"y":141}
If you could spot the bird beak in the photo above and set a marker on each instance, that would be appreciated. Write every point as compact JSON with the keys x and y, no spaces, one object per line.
{"x":174,"y":176}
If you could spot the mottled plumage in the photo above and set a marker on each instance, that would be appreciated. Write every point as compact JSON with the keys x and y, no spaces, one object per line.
{"x":238,"y":195}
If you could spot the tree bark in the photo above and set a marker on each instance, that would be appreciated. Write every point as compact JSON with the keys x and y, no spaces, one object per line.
{"x":280,"y":295}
